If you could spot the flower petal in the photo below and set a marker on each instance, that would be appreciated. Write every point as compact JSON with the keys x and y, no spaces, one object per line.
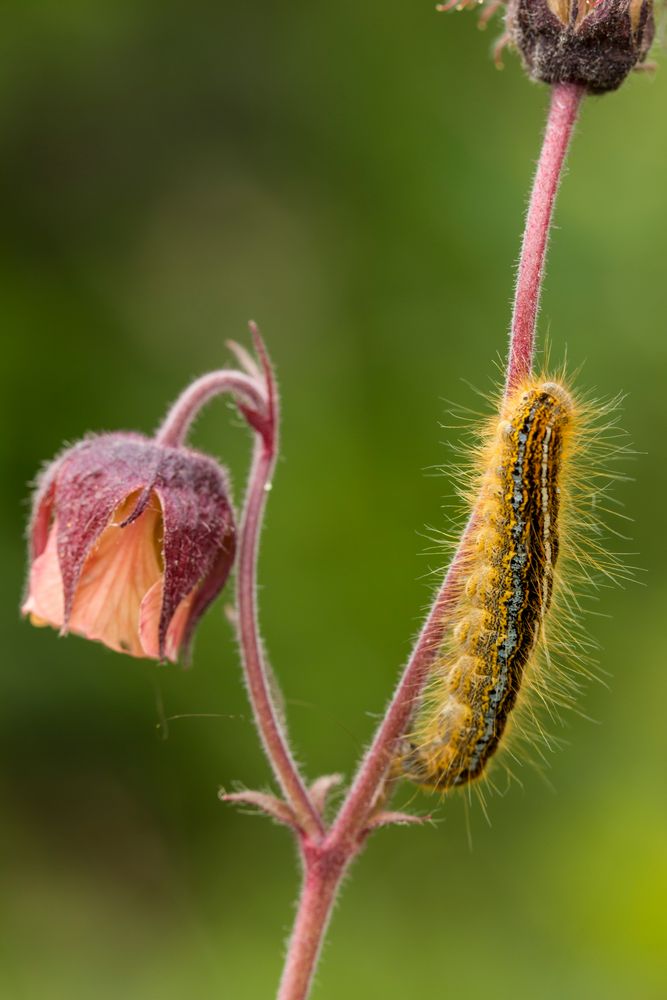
{"x":122,"y":568}
{"x":44,"y":602}
{"x":149,"y":624}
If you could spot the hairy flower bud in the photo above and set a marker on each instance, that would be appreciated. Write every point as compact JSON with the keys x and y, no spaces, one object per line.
{"x":130,"y":541}
{"x":594,"y":43}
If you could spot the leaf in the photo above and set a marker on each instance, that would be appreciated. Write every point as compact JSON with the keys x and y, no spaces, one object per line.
{"x":322,"y":787}
{"x":268,"y":804}
{"x":395,"y":819}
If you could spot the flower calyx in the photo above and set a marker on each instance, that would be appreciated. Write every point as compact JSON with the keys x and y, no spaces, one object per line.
{"x":592,"y":43}
{"x":261,"y":418}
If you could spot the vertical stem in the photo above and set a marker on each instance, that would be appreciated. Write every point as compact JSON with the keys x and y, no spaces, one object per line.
{"x":565,"y":102}
{"x":268,"y":724}
{"x":318,"y":894}
{"x":256,"y":397}
{"x":347,"y":833}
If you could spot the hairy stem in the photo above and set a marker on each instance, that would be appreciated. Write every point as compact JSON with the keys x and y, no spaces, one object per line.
{"x":177,"y":423}
{"x":267,"y":719}
{"x":348,"y":832}
{"x":565,"y":101}
{"x":318,"y":894}
{"x":356,"y":809}
{"x":255,"y":393}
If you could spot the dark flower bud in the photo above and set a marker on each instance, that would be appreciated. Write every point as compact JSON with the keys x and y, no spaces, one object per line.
{"x":130,"y":542}
{"x":593,"y":43}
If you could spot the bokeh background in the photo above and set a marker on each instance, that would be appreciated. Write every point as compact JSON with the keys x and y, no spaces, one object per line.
{"x":352,"y":176}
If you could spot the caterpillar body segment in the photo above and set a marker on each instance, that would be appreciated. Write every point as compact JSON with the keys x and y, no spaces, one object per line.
{"x":507,"y":586}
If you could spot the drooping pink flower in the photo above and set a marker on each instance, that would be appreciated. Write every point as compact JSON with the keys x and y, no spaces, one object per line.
{"x":130,"y":541}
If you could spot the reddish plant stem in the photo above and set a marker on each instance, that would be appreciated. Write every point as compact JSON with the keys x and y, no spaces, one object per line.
{"x":322,"y":875}
{"x":271,"y":731}
{"x":257,"y":399}
{"x":177,"y":423}
{"x":346,"y":836}
{"x":565,"y":101}
{"x":355,"y":811}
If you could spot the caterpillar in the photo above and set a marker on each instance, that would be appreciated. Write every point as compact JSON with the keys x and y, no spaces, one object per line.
{"x":510,"y":559}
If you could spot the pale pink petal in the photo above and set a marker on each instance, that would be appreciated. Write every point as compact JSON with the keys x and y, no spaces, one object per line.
{"x":149,"y":623}
{"x":149,"y":620}
{"x":44,"y":602}
{"x":117,"y":575}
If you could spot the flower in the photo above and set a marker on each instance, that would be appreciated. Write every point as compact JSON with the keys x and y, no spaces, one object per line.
{"x":130,"y":541}
{"x":594,"y":43}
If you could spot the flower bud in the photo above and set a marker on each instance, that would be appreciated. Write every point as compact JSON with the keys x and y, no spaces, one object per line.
{"x":130,"y":541}
{"x":593,"y":43}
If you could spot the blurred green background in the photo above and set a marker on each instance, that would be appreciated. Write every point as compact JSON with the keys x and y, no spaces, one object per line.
{"x":353,"y":177}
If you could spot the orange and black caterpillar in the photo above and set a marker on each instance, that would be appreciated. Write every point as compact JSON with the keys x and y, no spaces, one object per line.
{"x":510,"y":556}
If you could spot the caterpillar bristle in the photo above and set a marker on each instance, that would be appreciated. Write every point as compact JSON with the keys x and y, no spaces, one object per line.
{"x":536,"y":485}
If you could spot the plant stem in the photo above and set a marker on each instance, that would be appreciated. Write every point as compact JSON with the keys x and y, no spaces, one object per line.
{"x":565,"y":101}
{"x":346,"y":837}
{"x":354,"y":812}
{"x":318,"y":893}
{"x":268,"y":723}
{"x":177,"y":423}
{"x":256,"y":396}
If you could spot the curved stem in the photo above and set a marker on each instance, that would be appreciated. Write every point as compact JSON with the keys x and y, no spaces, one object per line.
{"x":177,"y":423}
{"x":268,"y":723}
{"x":565,"y":101}
{"x":256,"y":396}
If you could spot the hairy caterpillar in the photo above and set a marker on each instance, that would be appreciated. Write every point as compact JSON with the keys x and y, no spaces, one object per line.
{"x":510,"y":554}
